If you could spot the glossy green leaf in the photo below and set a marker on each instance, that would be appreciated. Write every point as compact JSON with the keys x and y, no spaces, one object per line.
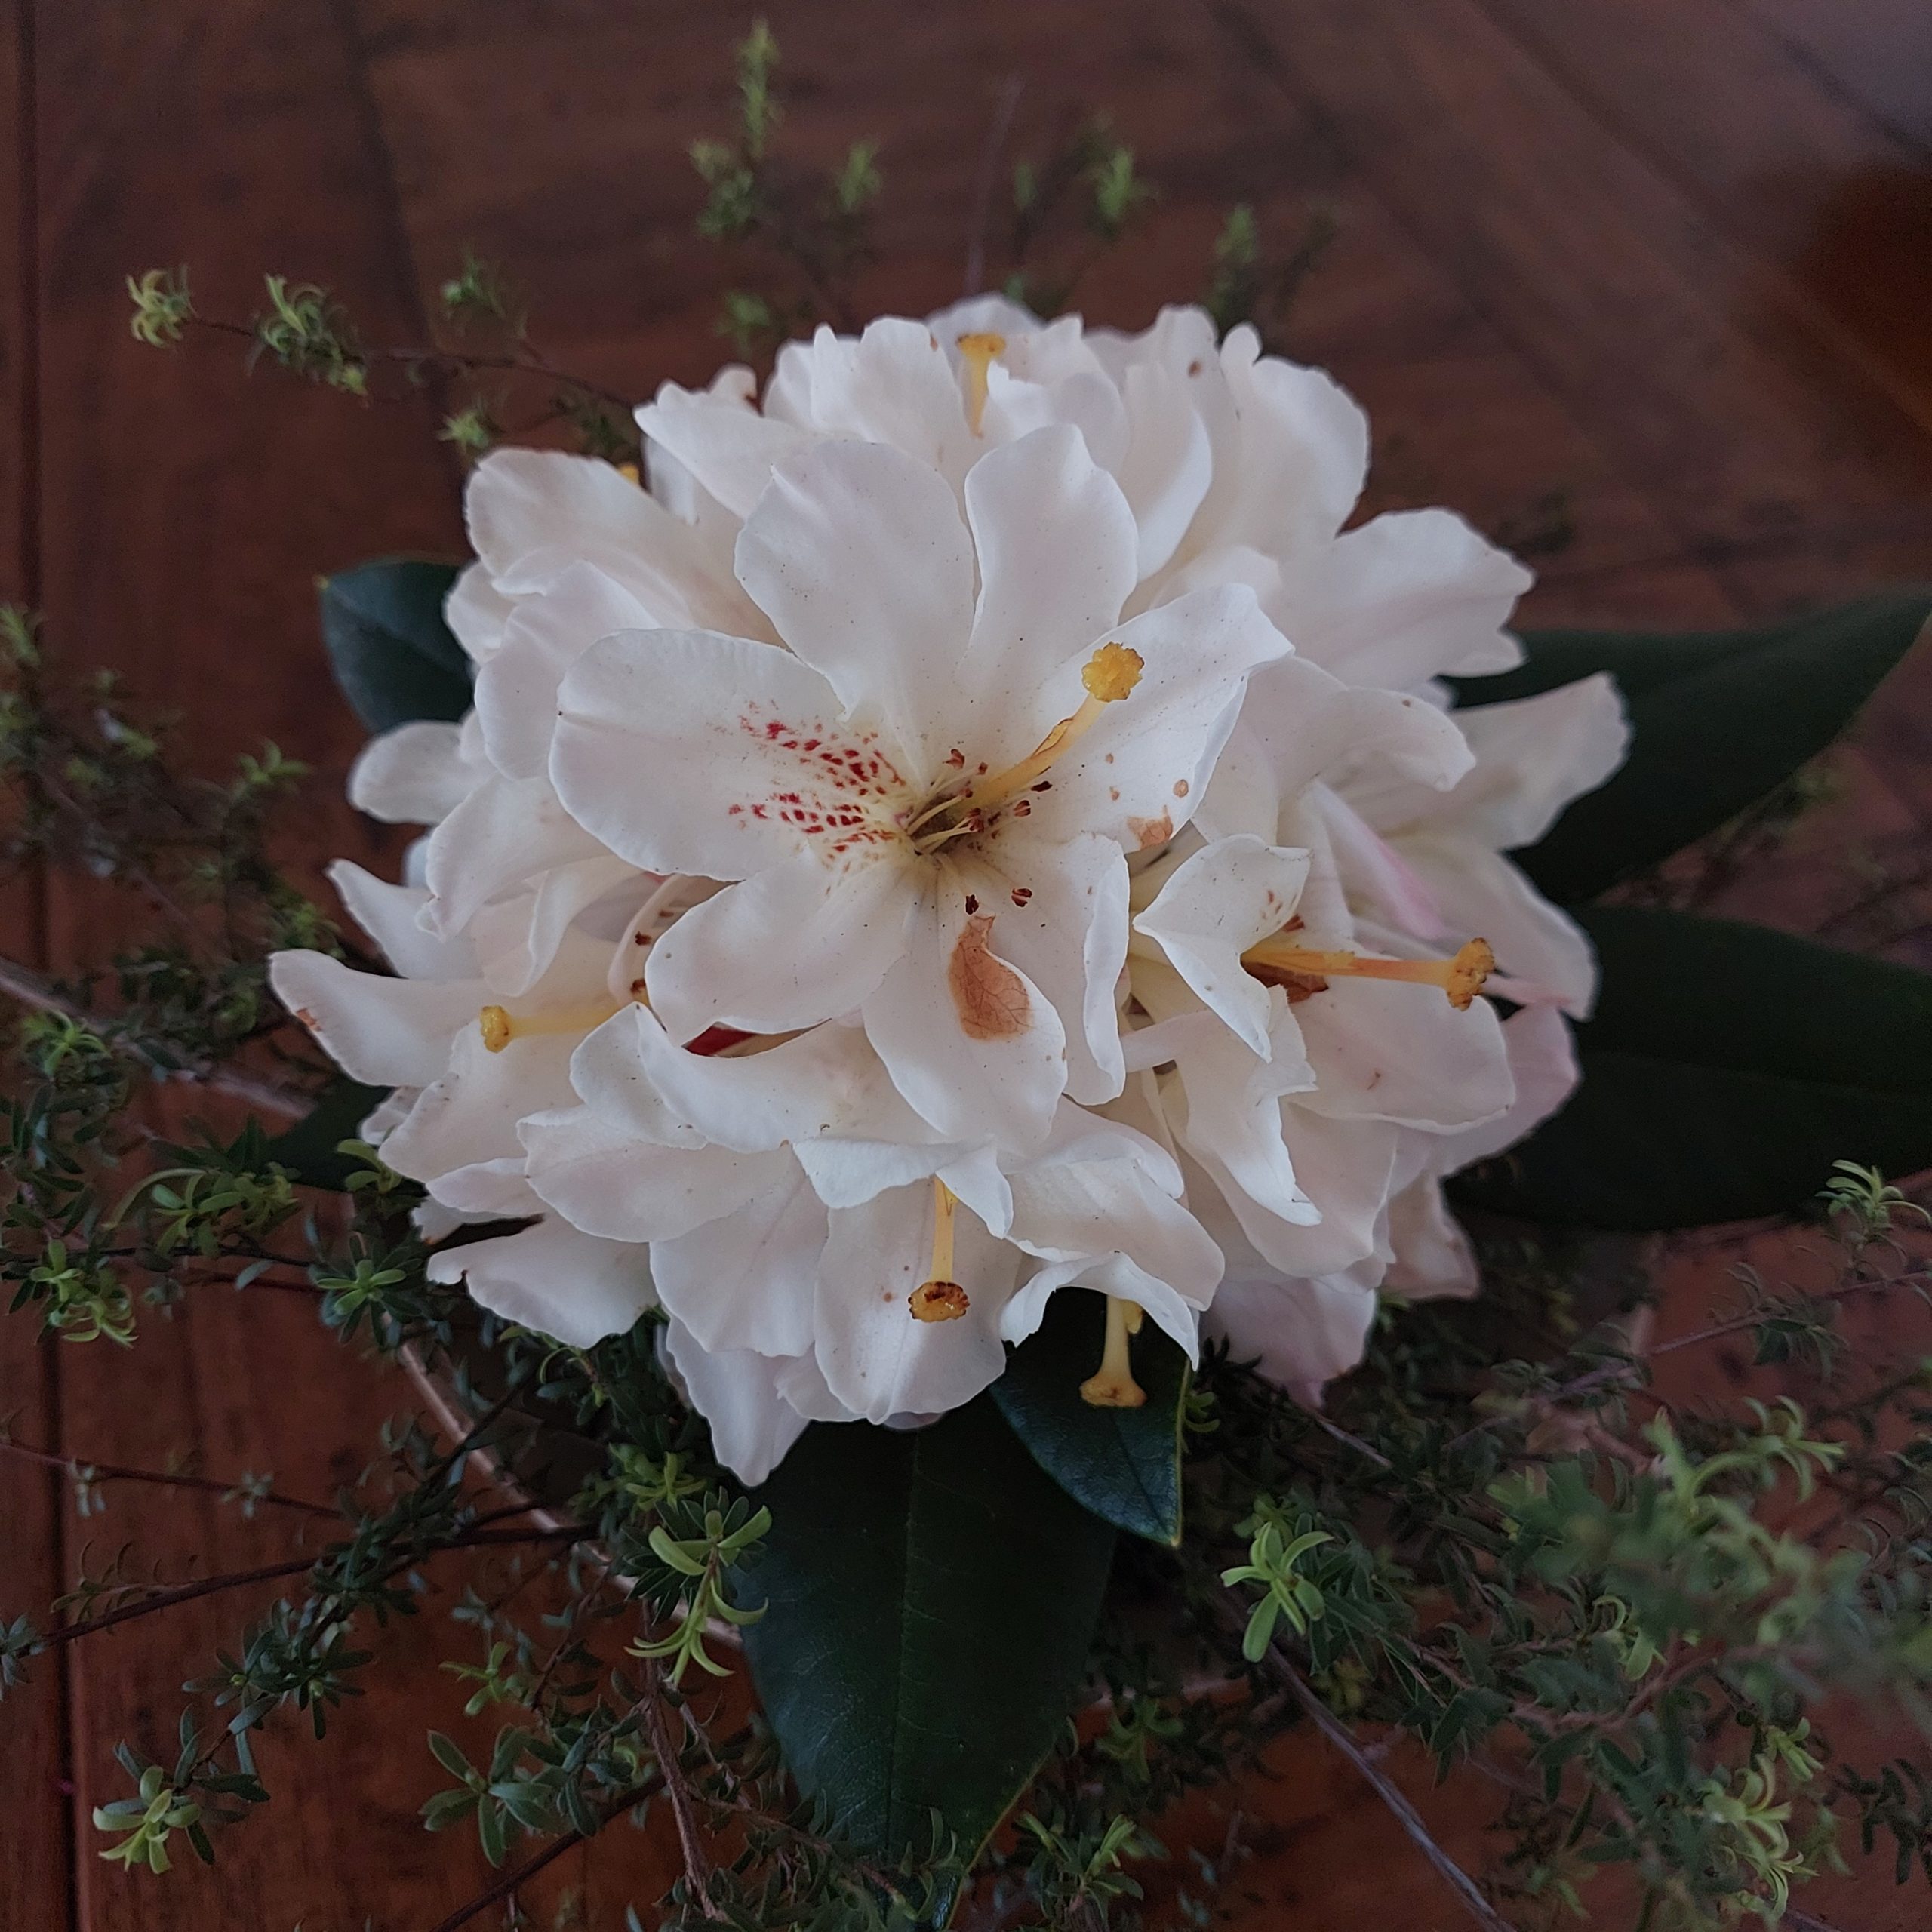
{"x":1123,"y":1464}
{"x":931,"y":1598}
{"x":394,"y":656}
{"x":308,"y":1149}
{"x":1720,"y":719}
{"x":1728,"y":1067}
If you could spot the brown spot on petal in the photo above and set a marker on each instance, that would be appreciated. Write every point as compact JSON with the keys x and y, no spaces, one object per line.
{"x":1149,"y":832}
{"x":990,"y":996}
{"x":1180,"y":788}
{"x":307,"y":1018}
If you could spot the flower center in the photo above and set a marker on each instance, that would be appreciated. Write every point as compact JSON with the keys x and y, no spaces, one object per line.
{"x":978,"y":352}
{"x":1302,"y":970}
{"x":1110,"y":676}
{"x":938,"y":1297}
{"x":1113,"y":1385}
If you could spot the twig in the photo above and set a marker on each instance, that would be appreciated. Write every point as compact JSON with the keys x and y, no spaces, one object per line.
{"x":1354,"y":1442}
{"x":121,"y":1472}
{"x":510,"y":1882}
{"x":1406,"y":1815}
{"x":18,"y":982}
{"x":697,"y":1869}
{"x":1004,"y":109}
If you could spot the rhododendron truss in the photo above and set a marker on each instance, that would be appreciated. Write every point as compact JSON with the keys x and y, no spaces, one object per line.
{"x":901,"y":865}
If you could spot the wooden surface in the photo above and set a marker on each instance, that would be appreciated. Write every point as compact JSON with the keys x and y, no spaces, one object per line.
{"x":1669,"y":258}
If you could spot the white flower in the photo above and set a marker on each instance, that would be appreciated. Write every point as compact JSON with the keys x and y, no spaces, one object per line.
{"x":823,"y":1252}
{"x":927,"y":800}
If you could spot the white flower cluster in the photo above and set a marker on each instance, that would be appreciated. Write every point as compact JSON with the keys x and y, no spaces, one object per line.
{"x":974,"y":825}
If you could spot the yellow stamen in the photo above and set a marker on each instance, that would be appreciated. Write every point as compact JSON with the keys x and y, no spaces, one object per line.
{"x":500,"y":1026}
{"x":1108,"y":676}
{"x":978,"y":352}
{"x":1461,"y":978}
{"x":631,"y":473}
{"x":1113,"y":1386}
{"x":940,"y":1298}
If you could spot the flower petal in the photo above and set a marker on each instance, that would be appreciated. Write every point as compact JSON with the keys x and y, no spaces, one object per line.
{"x":506,"y":831}
{"x":687,"y":752}
{"x":1381,"y":1050}
{"x":389,"y":914}
{"x":727,"y":446}
{"x":470,"y":1114}
{"x":858,"y":554}
{"x":1170,"y":461}
{"x":553,"y":1279}
{"x":385,"y":1032}
{"x":1534,"y":755}
{"x":1216,"y":904}
{"x":799,"y":943}
{"x":969,"y":1041}
{"x":1299,"y":1333}
{"x":415,"y":775}
{"x":736,"y":1391}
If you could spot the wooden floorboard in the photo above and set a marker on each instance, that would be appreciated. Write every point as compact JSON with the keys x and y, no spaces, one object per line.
{"x":1876,"y":53}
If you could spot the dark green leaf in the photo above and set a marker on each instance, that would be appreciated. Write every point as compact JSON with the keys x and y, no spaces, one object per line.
{"x":308,"y":1149}
{"x":1123,"y":1464}
{"x":932,"y":1596}
{"x":1720,"y":718}
{"x":1727,"y":1068}
{"x":394,"y":656}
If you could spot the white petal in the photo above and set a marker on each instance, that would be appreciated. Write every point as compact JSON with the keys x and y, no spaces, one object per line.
{"x":414,"y":775}
{"x":386,"y":1032}
{"x":389,"y":914}
{"x":728,"y":448}
{"x":1056,"y":542}
{"x":1534,"y":755}
{"x":1170,"y":460}
{"x":1113,"y":1275}
{"x":969,"y":1040}
{"x":508,"y":830}
{"x":799,"y":943}
{"x":1404,"y":598}
{"x":517,"y":937}
{"x":1300,"y":1333}
{"x":470,"y":1114}
{"x":1141,"y":770}
{"x":748,"y":1279}
{"x":858,"y":554}
{"x":1067,"y":933}
{"x":1543,"y":1061}
{"x":877,"y":1358}
{"x":1381,"y":1050}
{"x":516,"y":691}
{"x":892,"y":385}
{"x":476,"y":612}
{"x":687,"y":752}
{"x":1374,"y":874}
{"x":736,"y":1391}
{"x":1432,"y":1255}
{"x":554,"y":1279}
{"x":1216,"y":904}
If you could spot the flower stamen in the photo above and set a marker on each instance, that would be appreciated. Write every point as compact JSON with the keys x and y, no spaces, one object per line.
{"x":978,"y":352}
{"x":1113,"y":1385}
{"x":1110,"y":676}
{"x":500,"y":1026}
{"x":940,"y":1298}
{"x":1295,"y":967}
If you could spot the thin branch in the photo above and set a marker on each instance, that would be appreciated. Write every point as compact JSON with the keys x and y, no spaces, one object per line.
{"x":1004,"y":108}
{"x":121,"y":1472}
{"x":697,"y":1869}
{"x":18,"y":982}
{"x":1354,"y":1442}
{"x":1338,"y":1734}
{"x":510,"y":1882}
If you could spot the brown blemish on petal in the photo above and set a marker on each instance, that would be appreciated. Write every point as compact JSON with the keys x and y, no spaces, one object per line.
{"x":990,"y":996}
{"x":1149,"y":832}
{"x":1180,"y":788}
{"x":307,"y":1018}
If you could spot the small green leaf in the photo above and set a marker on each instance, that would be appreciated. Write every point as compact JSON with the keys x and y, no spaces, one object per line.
{"x":394,"y":656}
{"x":1123,"y":1464}
{"x":1720,"y":719}
{"x":1727,"y":1068}
{"x":308,"y":1149}
{"x":932,"y":1595}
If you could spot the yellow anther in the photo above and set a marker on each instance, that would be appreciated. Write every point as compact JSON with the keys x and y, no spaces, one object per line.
{"x":1111,"y":673}
{"x":1113,"y":1386}
{"x":631,"y":473}
{"x":1461,"y":978}
{"x":978,"y":352}
{"x":500,"y":1026}
{"x":940,"y":1298}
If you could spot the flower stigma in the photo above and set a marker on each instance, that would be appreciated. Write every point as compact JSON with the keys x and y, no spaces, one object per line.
{"x":500,"y":1026}
{"x":1305,"y":969}
{"x":1110,"y":676}
{"x":1113,"y":1385}
{"x":940,"y":1298}
{"x":978,"y":352}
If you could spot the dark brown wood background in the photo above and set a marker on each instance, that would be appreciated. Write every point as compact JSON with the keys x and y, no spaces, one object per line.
{"x":1670,"y":258}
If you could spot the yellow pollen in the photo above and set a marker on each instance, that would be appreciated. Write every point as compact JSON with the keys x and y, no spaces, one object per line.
{"x":500,"y":1026}
{"x":1112,"y":1387}
{"x":978,"y":352}
{"x":1461,"y":978}
{"x":940,"y":1298}
{"x":1108,"y":676}
{"x":631,"y":473}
